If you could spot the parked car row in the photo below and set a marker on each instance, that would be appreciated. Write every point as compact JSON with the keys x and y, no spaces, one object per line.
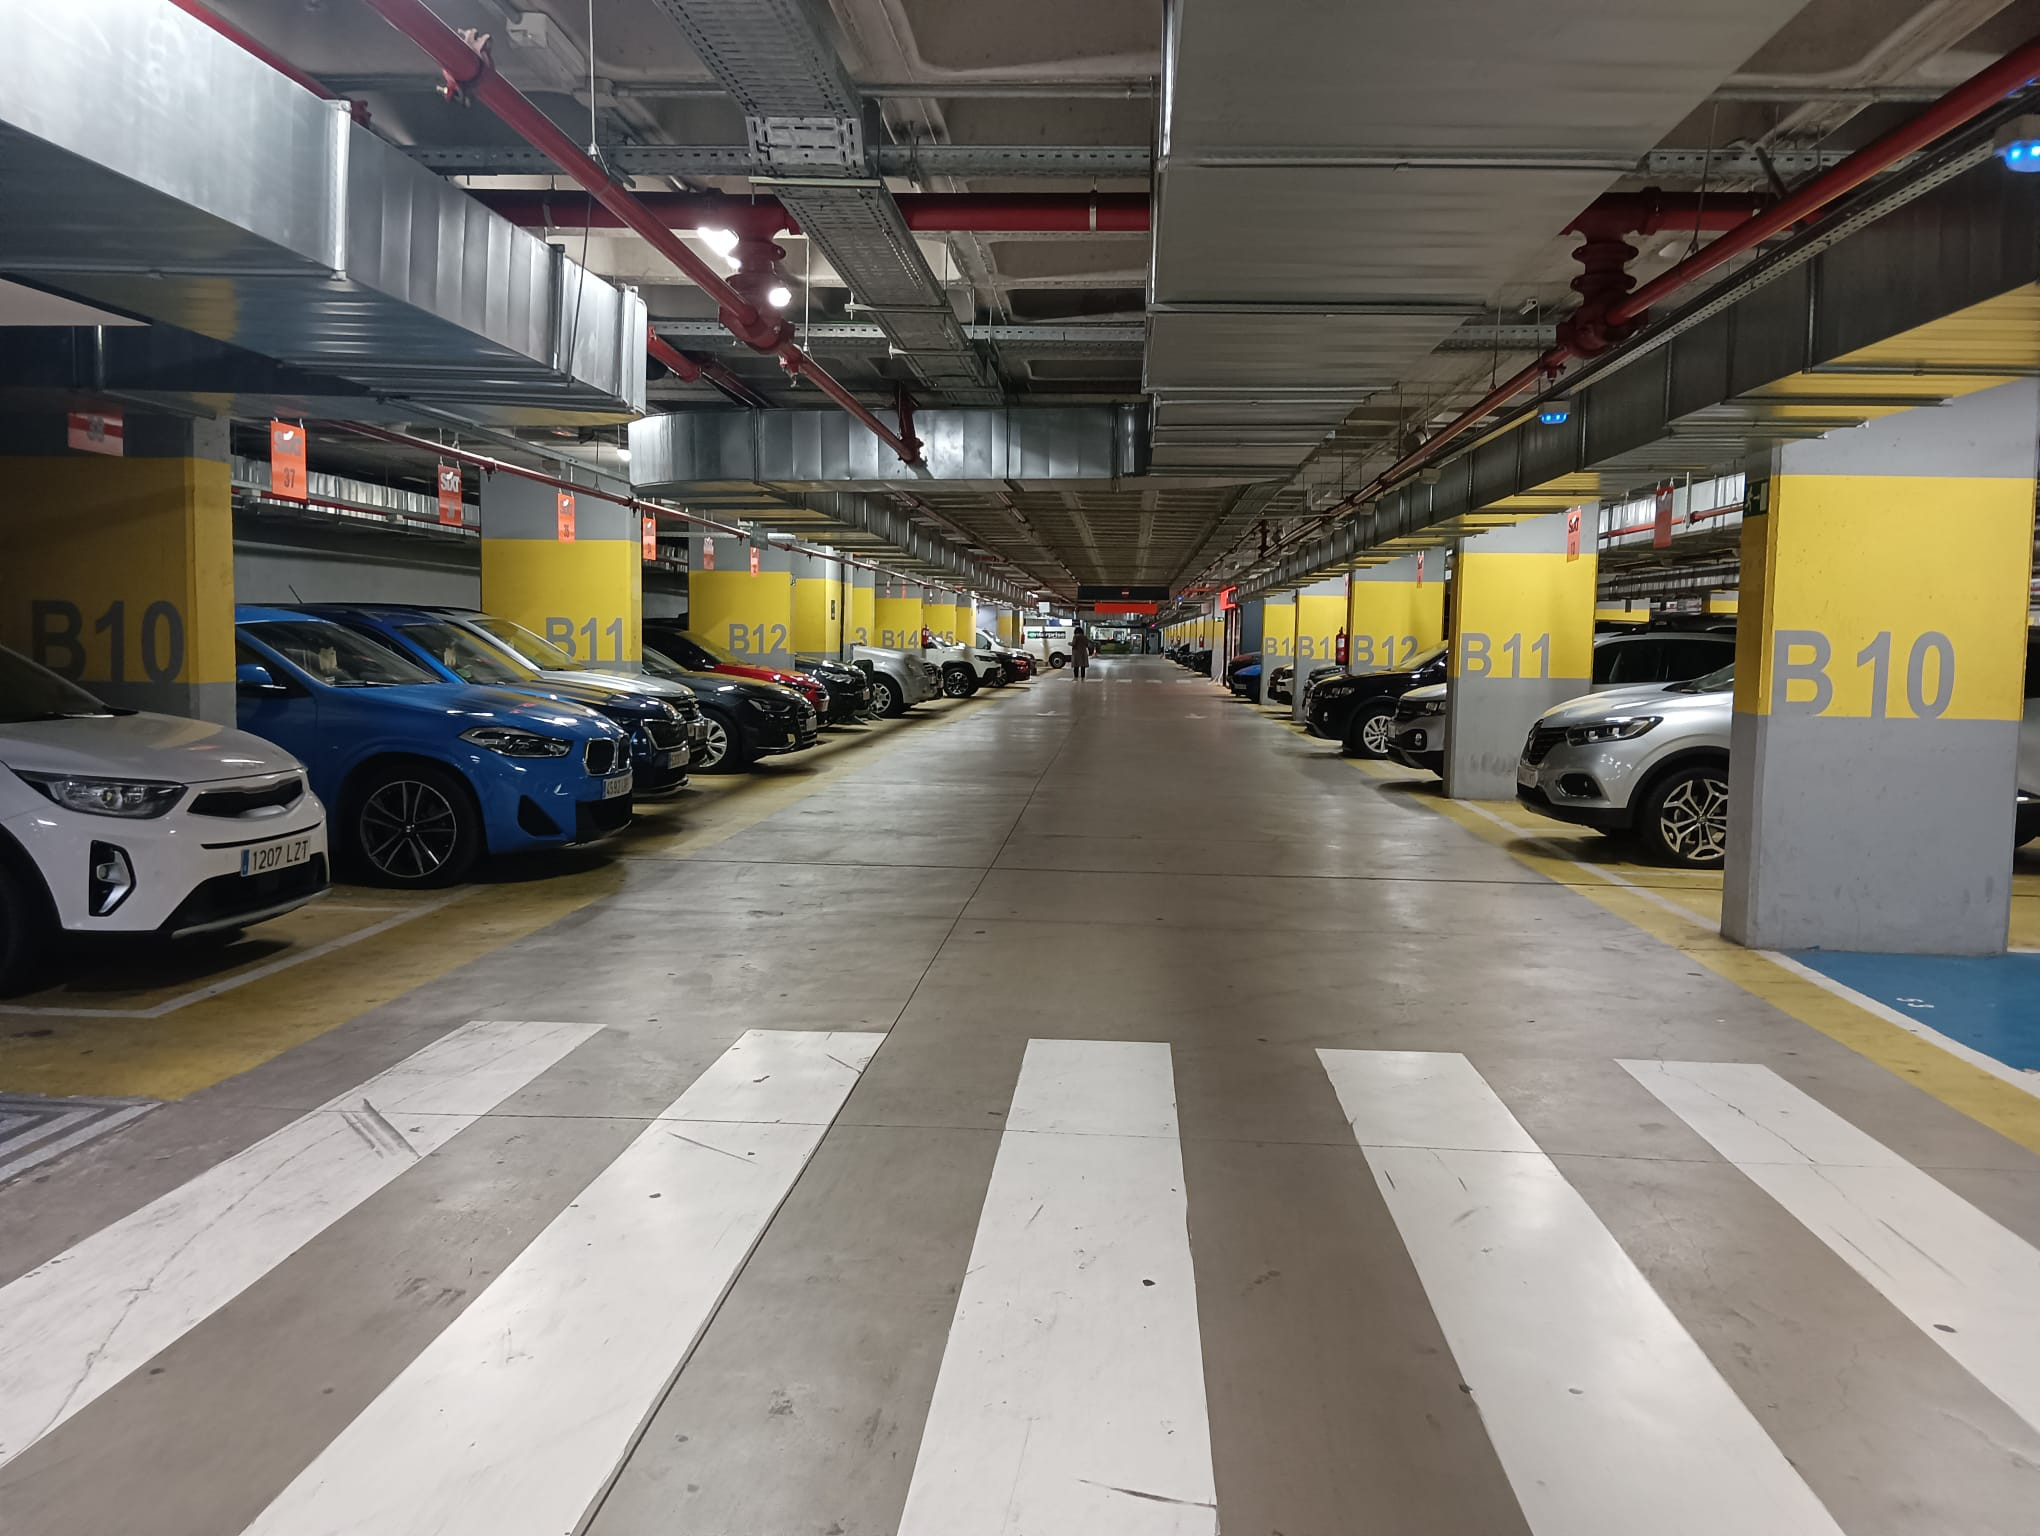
{"x":393,"y":743}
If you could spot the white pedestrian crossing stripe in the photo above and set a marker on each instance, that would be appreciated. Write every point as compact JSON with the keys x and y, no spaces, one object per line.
{"x":515,"y":1417}
{"x":76,"y":1326}
{"x":1070,"y":1400}
{"x":1606,"y":1416}
{"x":1972,"y":1286}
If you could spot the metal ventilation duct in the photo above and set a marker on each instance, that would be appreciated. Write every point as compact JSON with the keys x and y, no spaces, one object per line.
{"x":670,"y":455}
{"x":155,"y":168}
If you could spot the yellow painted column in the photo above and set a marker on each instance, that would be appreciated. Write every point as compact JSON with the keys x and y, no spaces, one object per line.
{"x":939,"y":614}
{"x":860,"y":618}
{"x":740,"y":598}
{"x":1522,"y":641}
{"x":568,"y":566}
{"x":118,"y":571}
{"x":1395,"y":612}
{"x":897,"y":614}
{"x":1009,"y":626}
{"x":817,"y":605}
{"x":1278,"y":635}
{"x":1874,"y":756}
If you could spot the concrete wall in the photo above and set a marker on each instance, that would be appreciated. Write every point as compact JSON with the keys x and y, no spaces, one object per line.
{"x":286,"y":566}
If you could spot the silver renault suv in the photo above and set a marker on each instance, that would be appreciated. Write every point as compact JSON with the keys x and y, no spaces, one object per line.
{"x":1652,"y":761}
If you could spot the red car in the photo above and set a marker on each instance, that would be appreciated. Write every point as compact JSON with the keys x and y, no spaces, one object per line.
{"x":698,"y":655}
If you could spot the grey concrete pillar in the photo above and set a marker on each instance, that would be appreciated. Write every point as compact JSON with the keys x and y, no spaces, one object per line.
{"x":1879,"y":666}
{"x":1522,"y":641}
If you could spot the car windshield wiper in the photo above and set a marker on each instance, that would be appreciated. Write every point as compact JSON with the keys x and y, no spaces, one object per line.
{"x":68,"y":714}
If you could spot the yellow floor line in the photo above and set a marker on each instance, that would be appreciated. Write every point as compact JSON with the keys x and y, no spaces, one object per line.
{"x":177,"y":1052}
{"x":1682,"y":919}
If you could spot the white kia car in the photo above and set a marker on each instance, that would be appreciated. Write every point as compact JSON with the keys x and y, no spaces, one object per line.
{"x":121,"y":822}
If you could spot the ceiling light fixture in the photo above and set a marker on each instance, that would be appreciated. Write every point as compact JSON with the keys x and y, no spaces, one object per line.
{"x":722,"y":242}
{"x":779,"y":296}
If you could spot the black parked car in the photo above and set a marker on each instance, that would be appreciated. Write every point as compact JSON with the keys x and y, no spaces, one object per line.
{"x":1357,"y":711}
{"x":1280,"y":682}
{"x":745,"y":720}
{"x":849,"y":689}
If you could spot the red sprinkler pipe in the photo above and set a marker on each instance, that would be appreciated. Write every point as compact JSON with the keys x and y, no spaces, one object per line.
{"x":690,"y":370}
{"x":1976,"y":95}
{"x":469,"y":71}
{"x":925,"y":213}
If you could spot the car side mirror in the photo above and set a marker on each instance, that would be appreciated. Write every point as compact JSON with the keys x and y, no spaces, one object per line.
{"x":252,"y":679}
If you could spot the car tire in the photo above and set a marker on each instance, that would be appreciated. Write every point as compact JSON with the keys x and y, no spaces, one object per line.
{"x":1369,"y":729}
{"x":958,"y":681}
{"x":723,"y":749}
{"x":892,"y":699}
{"x":1683,"y":819}
{"x":28,"y":932}
{"x":1058,"y":659}
{"x":413,"y":825}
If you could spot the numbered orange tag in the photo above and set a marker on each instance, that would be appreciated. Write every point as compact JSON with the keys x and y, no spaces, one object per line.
{"x":754,"y":560}
{"x":566,"y":517}
{"x":1572,"y":534}
{"x":449,"y":495}
{"x":1420,"y":567}
{"x":707,"y":553}
{"x":651,"y":533}
{"x":287,"y":461}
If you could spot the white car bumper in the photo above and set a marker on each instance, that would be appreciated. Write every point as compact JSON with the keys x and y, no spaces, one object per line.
{"x":184,"y":871}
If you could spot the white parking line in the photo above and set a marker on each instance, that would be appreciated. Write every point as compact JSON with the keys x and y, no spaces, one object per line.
{"x":1070,"y":1401}
{"x":519,"y":1414}
{"x":74,"y":1327}
{"x":1606,"y":1416}
{"x":1969,"y":1284}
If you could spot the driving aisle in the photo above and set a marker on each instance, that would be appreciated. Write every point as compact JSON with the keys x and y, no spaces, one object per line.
{"x":1146,"y":1124}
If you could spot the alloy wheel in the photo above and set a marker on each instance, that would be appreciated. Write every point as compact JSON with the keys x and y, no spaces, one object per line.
{"x":1374,"y":733}
{"x":715,"y":745}
{"x":1693,"y":821}
{"x":408,"y":830}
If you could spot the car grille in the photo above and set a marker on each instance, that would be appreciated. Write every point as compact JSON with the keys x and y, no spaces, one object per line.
{"x":600,"y":757}
{"x":1542,"y":739}
{"x":239,"y":802}
{"x":665,"y":734}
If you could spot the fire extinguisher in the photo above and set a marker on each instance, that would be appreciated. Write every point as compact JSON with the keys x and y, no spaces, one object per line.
{"x":1339,"y":649}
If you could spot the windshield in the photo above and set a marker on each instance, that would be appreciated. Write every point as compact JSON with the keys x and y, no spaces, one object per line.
{"x":1718,"y":681}
{"x":714,"y":653}
{"x":466,"y":655}
{"x":337,"y":656}
{"x":29,"y":692}
{"x":542,"y":654}
{"x":661,"y":665}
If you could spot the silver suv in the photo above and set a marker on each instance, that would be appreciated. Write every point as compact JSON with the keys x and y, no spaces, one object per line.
{"x":1647,"y":760}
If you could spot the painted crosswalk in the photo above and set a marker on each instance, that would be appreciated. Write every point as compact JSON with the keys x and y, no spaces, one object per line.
{"x":1969,"y":1284}
{"x":1071,"y":1396}
{"x":514,"y":1418}
{"x":1607,"y":1417}
{"x":76,"y":1326}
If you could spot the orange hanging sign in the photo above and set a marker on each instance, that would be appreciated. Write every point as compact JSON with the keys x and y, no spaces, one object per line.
{"x":754,"y":559}
{"x":287,"y":479}
{"x":651,"y":533}
{"x":97,"y":432}
{"x":566,"y":517}
{"x":1420,"y":567}
{"x":449,"y":495}
{"x":707,"y":553}
{"x":1572,"y":534}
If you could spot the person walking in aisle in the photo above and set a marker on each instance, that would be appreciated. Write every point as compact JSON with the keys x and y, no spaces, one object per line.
{"x":1080,"y":651}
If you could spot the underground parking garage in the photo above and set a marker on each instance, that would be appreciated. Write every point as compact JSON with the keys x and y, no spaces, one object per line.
{"x":894,"y":768}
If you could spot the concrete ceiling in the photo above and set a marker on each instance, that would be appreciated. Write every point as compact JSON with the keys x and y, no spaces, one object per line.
{"x":1308,"y":306}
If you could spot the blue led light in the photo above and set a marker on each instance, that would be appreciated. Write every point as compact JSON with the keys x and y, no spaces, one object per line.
{"x":2021,"y":155}
{"x":1554,"y":416}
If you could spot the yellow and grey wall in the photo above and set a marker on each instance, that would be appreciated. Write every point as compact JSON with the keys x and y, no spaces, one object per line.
{"x":746,"y":612}
{"x":818,"y":605}
{"x":584,"y":594}
{"x":1278,"y":635}
{"x":897,"y":614}
{"x":1394,"y":612}
{"x":119,"y":572}
{"x":1879,"y":669}
{"x":1522,"y":641}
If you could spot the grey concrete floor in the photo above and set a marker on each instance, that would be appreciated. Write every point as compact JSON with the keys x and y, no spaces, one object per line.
{"x":1134,"y":858}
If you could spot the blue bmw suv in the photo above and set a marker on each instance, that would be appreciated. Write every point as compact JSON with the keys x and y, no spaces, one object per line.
{"x":422,"y":777}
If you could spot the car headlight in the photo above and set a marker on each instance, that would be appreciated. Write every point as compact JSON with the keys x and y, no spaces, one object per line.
{"x":136,"y":799}
{"x":509,"y":741}
{"x":1431,"y":707}
{"x":1621,"y":728}
{"x":777,"y":708}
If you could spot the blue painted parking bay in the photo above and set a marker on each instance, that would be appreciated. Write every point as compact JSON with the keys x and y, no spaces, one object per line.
{"x":1990,"y":1003}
